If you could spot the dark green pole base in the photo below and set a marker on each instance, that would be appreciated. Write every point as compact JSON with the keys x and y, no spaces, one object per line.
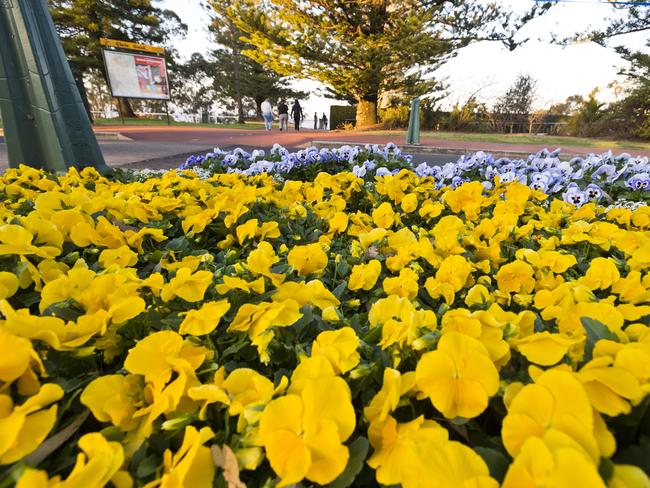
{"x":45,"y":123}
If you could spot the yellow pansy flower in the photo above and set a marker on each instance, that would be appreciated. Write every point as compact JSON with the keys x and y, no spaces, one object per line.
{"x":258,"y":319}
{"x":8,"y":284}
{"x":409,"y":203}
{"x":610,"y":388}
{"x":386,"y":400}
{"x":205,"y":319}
{"x":626,"y":476}
{"x":52,"y":330}
{"x":384,"y":216}
{"x":400,"y":320}
{"x":551,"y":462}
{"x":16,"y":358}
{"x":312,"y":292}
{"x":246,"y":231}
{"x":122,"y":256}
{"x":303,"y":432}
{"x":339,"y":347}
{"x":557,"y":401}
{"x":404,"y":285}
{"x":545,"y":348}
{"x":364,"y":276}
{"x":260,"y":260}
{"x":235,"y":283}
{"x":17,"y":240}
{"x":338,"y":223}
{"x":466,"y":198}
{"x":458,"y":377}
{"x":516,"y":277}
{"x":187,"y":285}
{"x":114,"y":398}
{"x":191,"y":465}
{"x":308,"y":259}
{"x":601,"y":274}
{"x":161,"y":353}
{"x":99,"y":464}
{"x":407,"y":454}
{"x":24,"y":427}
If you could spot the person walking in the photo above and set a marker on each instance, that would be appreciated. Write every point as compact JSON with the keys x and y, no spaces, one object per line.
{"x":283,"y":115}
{"x":324,"y":122}
{"x":315,"y":120}
{"x":267,"y":114}
{"x":296,"y":113}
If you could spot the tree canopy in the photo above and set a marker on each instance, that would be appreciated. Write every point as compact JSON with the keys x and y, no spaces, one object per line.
{"x":364,"y":49}
{"x":240,"y":79}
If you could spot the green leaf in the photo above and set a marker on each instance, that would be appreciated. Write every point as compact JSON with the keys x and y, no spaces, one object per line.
{"x":596,"y":331}
{"x":606,"y":469}
{"x":496,"y":461}
{"x":147,"y":467}
{"x":358,"y":453}
{"x":339,"y":290}
{"x":342,"y":268}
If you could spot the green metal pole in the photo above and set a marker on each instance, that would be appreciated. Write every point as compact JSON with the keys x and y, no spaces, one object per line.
{"x":413,"y":134}
{"x":45,"y":123}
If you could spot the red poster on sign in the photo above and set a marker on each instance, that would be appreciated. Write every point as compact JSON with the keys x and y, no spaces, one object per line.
{"x":152,"y":76}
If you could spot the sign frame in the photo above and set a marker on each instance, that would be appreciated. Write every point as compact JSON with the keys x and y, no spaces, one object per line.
{"x":110,"y":86}
{"x":132,"y":46}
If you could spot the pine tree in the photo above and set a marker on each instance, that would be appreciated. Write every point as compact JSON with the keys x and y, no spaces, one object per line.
{"x":367,"y":48}
{"x":81,"y":23}
{"x":240,"y":79}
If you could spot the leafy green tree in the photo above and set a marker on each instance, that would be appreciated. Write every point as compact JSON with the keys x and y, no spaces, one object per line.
{"x":81,"y":23}
{"x":635,"y":18}
{"x":240,"y":79}
{"x":513,"y":108}
{"x":363,"y":49}
{"x":194,"y":83}
{"x":632,"y":114}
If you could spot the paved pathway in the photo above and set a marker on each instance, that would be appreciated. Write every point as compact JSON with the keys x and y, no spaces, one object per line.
{"x":261,"y":138}
{"x":162,"y":146}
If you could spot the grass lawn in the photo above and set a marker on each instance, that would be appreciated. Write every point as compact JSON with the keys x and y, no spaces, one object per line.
{"x":550,"y":141}
{"x":163,"y":122}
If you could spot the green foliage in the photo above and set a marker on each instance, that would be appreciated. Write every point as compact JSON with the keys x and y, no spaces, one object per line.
{"x":340,"y":115}
{"x":395,"y":117}
{"x":586,"y":121}
{"x":240,"y":81}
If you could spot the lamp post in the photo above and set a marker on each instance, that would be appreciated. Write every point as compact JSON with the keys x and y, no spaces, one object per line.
{"x":45,"y":123}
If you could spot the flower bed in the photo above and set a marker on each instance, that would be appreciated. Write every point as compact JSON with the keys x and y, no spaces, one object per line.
{"x":601,"y":178}
{"x":176,"y":331}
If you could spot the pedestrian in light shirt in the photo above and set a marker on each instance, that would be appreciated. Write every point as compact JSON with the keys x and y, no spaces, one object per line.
{"x":267,"y":114}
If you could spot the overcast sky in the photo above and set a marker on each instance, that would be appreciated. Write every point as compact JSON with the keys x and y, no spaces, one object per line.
{"x":488,"y":66}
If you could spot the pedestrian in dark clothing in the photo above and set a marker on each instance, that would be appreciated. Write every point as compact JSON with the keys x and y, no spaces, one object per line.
{"x":296,"y":113}
{"x":283,"y":115}
{"x":315,"y":120}
{"x":324,"y":121}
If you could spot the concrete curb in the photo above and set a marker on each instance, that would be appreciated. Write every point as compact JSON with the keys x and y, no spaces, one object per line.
{"x":420,"y":149}
{"x":111,"y":136}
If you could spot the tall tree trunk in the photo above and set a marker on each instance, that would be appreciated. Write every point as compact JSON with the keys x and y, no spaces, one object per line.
{"x":125,"y":109}
{"x":367,"y":111}
{"x":236,"y":54}
{"x":240,"y":111}
{"x":258,"y":105}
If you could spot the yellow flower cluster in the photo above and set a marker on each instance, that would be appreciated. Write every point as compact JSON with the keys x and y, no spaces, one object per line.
{"x":322,"y":331}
